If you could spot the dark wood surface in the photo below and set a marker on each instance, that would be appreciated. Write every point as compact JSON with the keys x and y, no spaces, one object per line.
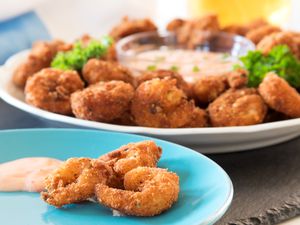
{"x":266,"y":181}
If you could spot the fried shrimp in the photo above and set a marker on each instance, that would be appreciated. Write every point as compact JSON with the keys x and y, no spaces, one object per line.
{"x":280,"y":96}
{"x":237,"y":107}
{"x":208,"y":88}
{"x":103,"y":101}
{"x":256,"y":35}
{"x":128,"y":27}
{"x":199,"y":118}
{"x":50,"y":89}
{"x":130,"y":156}
{"x":74,"y":181}
{"x":40,"y":57}
{"x":237,"y":78}
{"x":181,"y":84}
{"x":148,"y":192}
{"x":279,"y":38}
{"x":96,"y":70}
{"x":159,"y":103}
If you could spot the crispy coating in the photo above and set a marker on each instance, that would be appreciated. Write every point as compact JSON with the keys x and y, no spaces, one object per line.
{"x":149,"y":192}
{"x":237,"y":78}
{"x":237,"y":107}
{"x":128,"y":27}
{"x":280,"y":96}
{"x":74,"y":181}
{"x":103,"y":101}
{"x":208,"y":88}
{"x":236,"y":29}
{"x":174,"y":24}
{"x":96,"y":70}
{"x":130,"y":156}
{"x":189,"y":32}
{"x":181,"y":84}
{"x":256,"y":35}
{"x":199,"y":118}
{"x":280,"y":38}
{"x":40,"y":57}
{"x":159,"y":103}
{"x":50,"y":89}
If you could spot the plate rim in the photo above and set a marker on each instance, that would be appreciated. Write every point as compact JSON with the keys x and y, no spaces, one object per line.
{"x":215,"y":216}
{"x":10,"y":99}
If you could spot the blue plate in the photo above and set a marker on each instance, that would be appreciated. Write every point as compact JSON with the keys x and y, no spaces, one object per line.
{"x":206,"y":190}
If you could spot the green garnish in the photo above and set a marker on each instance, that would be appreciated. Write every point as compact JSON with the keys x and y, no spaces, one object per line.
{"x":151,"y":67}
{"x":196,"y":69}
{"x":174,"y":68}
{"x":79,"y":55}
{"x":279,"y":60}
{"x":225,"y":56}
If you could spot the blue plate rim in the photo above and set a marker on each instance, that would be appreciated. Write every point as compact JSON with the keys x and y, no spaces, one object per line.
{"x":214,"y":217}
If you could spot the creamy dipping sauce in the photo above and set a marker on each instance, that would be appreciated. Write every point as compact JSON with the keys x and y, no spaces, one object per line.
{"x":26,"y":174}
{"x":189,"y":63}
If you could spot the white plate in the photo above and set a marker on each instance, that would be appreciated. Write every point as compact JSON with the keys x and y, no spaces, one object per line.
{"x":205,"y":140}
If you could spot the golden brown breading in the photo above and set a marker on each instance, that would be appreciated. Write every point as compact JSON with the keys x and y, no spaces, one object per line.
{"x":280,"y":38}
{"x":128,"y":27}
{"x":181,"y":84}
{"x":189,"y":32}
{"x":148,"y":192}
{"x":199,"y":118}
{"x":75,"y":181}
{"x":280,"y":96}
{"x":40,"y":57}
{"x":50,"y":89}
{"x":103,"y":101}
{"x":258,"y":34}
{"x":236,"y":29}
{"x":237,"y":107}
{"x":159,"y":103}
{"x":208,"y":88}
{"x":174,"y":24}
{"x":237,"y":78}
{"x":96,"y":70}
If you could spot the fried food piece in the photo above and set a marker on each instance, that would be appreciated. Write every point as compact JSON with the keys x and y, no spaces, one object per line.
{"x":237,"y":107}
{"x":181,"y":84}
{"x":159,"y":103}
{"x":260,"y":22}
{"x":236,"y":29}
{"x":103,"y":101}
{"x":199,"y":118}
{"x":40,"y":57}
{"x":258,"y":34}
{"x":208,"y":88}
{"x":128,"y":27}
{"x":149,"y":192}
{"x":130,"y":156}
{"x":50,"y":89}
{"x":280,"y":96}
{"x":189,"y":32}
{"x":174,"y":24}
{"x":237,"y":78}
{"x":281,"y":38}
{"x":96,"y":70}
{"x":74,"y":181}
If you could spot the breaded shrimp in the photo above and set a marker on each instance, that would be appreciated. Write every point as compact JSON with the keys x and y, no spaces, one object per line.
{"x":208,"y":88}
{"x":103,"y":101}
{"x":237,"y":107}
{"x":148,"y":192}
{"x":256,"y":35}
{"x":237,"y":78}
{"x":128,"y":27}
{"x":199,"y":118}
{"x":96,"y":70}
{"x":40,"y":57}
{"x":74,"y":181}
{"x":281,"y":38}
{"x":50,"y":89}
{"x":181,"y":83}
{"x":159,"y":103}
{"x":280,"y":96}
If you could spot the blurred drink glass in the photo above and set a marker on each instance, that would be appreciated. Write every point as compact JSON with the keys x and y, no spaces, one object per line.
{"x":242,"y":11}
